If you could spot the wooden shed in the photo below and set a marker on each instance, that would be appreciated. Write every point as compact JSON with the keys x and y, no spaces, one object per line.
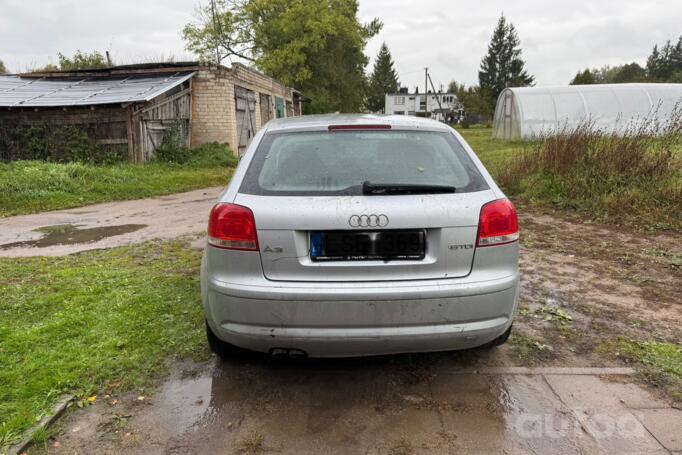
{"x":131,"y":112}
{"x":132,"y":107}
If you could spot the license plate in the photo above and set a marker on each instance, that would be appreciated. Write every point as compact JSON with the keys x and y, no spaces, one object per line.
{"x":367,"y":245}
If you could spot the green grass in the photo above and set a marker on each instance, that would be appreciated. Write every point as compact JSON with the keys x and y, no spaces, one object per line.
{"x":494,"y":153}
{"x":36,"y":186}
{"x":75,"y":324}
{"x":662,"y":361}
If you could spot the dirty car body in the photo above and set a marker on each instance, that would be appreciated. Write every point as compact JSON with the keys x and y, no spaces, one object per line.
{"x":351,"y":235}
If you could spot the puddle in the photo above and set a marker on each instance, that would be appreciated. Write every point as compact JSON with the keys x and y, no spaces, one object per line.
{"x":71,"y":234}
{"x":404,"y":404}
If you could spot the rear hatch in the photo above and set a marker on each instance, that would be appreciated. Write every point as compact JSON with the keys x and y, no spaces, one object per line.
{"x":413,"y":196}
{"x":449,"y":224}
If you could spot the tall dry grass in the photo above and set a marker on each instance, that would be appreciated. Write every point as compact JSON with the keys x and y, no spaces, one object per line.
{"x":632,"y":177}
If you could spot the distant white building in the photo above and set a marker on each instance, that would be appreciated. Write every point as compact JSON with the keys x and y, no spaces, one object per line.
{"x":425,"y":105}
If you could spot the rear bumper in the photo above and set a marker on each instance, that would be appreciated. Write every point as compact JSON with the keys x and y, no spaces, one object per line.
{"x":355,"y":319}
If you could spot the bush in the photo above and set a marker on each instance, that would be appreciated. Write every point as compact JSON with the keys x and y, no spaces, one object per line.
{"x":173,"y":148}
{"x":46,"y":141}
{"x":633,"y":179}
{"x":174,"y":151}
{"x":213,"y":154}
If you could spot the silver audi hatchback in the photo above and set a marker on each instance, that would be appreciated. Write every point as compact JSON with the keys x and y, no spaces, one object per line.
{"x":353,"y":235}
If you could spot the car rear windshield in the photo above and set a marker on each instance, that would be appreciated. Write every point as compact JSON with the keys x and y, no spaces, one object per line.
{"x":338,"y":163}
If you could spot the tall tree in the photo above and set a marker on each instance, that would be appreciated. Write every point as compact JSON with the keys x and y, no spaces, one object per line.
{"x":315,"y":45}
{"x":653,"y":62}
{"x":665,"y":62}
{"x":456,"y":88}
{"x":383,"y":80}
{"x":503,"y":66}
{"x":3,"y":70}
{"x":474,"y":102}
{"x":220,"y":32}
{"x":630,"y":72}
{"x":584,"y":78}
{"x":676,"y":77}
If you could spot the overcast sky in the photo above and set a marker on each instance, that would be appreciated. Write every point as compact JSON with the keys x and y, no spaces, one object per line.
{"x":448,"y":36}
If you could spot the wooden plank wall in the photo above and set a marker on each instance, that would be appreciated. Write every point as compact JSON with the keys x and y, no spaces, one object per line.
{"x":138,"y":127}
{"x":153,"y":119}
{"x":106,"y":125}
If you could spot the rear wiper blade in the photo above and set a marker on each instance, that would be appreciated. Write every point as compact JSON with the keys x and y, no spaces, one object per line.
{"x":404,"y":188}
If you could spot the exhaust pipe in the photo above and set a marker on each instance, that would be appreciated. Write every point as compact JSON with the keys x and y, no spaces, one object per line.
{"x":295,"y":354}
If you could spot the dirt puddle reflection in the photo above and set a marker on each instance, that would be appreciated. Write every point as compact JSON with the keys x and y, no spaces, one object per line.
{"x":71,"y":234}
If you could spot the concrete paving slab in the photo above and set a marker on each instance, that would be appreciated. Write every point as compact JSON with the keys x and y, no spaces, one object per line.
{"x":580,"y":371}
{"x":541,"y":422}
{"x":591,"y":392}
{"x":617,"y":431}
{"x":665,"y":425}
{"x":600,"y":407}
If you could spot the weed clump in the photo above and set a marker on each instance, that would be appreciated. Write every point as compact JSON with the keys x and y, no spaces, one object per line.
{"x":631,"y":177}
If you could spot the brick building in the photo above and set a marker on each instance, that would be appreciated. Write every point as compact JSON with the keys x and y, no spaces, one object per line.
{"x":230,"y":104}
{"x":132,"y":107}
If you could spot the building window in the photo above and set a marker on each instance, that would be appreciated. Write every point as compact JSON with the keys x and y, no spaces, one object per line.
{"x":399,"y":100}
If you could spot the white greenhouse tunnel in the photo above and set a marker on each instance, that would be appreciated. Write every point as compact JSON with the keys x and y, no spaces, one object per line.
{"x":532,"y":112}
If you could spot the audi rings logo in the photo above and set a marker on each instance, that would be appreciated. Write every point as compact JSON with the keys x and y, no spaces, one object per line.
{"x":365,"y":221}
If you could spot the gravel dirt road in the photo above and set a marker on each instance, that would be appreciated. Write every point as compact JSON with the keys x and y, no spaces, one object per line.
{"x":108,"y":225}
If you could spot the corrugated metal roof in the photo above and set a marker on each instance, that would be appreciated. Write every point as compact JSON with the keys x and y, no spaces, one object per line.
{"x":18,"y":91}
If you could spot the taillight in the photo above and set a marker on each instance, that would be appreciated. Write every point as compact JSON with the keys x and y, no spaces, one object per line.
{"x":497,"y":224}
{"x":233,"y":227}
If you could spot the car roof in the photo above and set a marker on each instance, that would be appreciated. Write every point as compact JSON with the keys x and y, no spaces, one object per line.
{"x":322,"y":122}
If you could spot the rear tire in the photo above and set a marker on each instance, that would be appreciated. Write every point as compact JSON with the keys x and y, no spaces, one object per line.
{"x":500,"y":340}
{"x":220,"y":348}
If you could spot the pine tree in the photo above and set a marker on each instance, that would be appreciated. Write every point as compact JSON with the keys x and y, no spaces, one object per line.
{"x":664,"y":64}
{"x":503,"y":66}
{"x":653,"y":63}
{"x":676,"y":57}
{"x":383,"y":80}
{"x":3,"y":70}
{"x":665,"y":67}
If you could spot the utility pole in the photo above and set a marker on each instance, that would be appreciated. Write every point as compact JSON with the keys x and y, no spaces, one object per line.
{"x":426,"y":92}
{"x":215,"y":31}
{"x":437,"y":95}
